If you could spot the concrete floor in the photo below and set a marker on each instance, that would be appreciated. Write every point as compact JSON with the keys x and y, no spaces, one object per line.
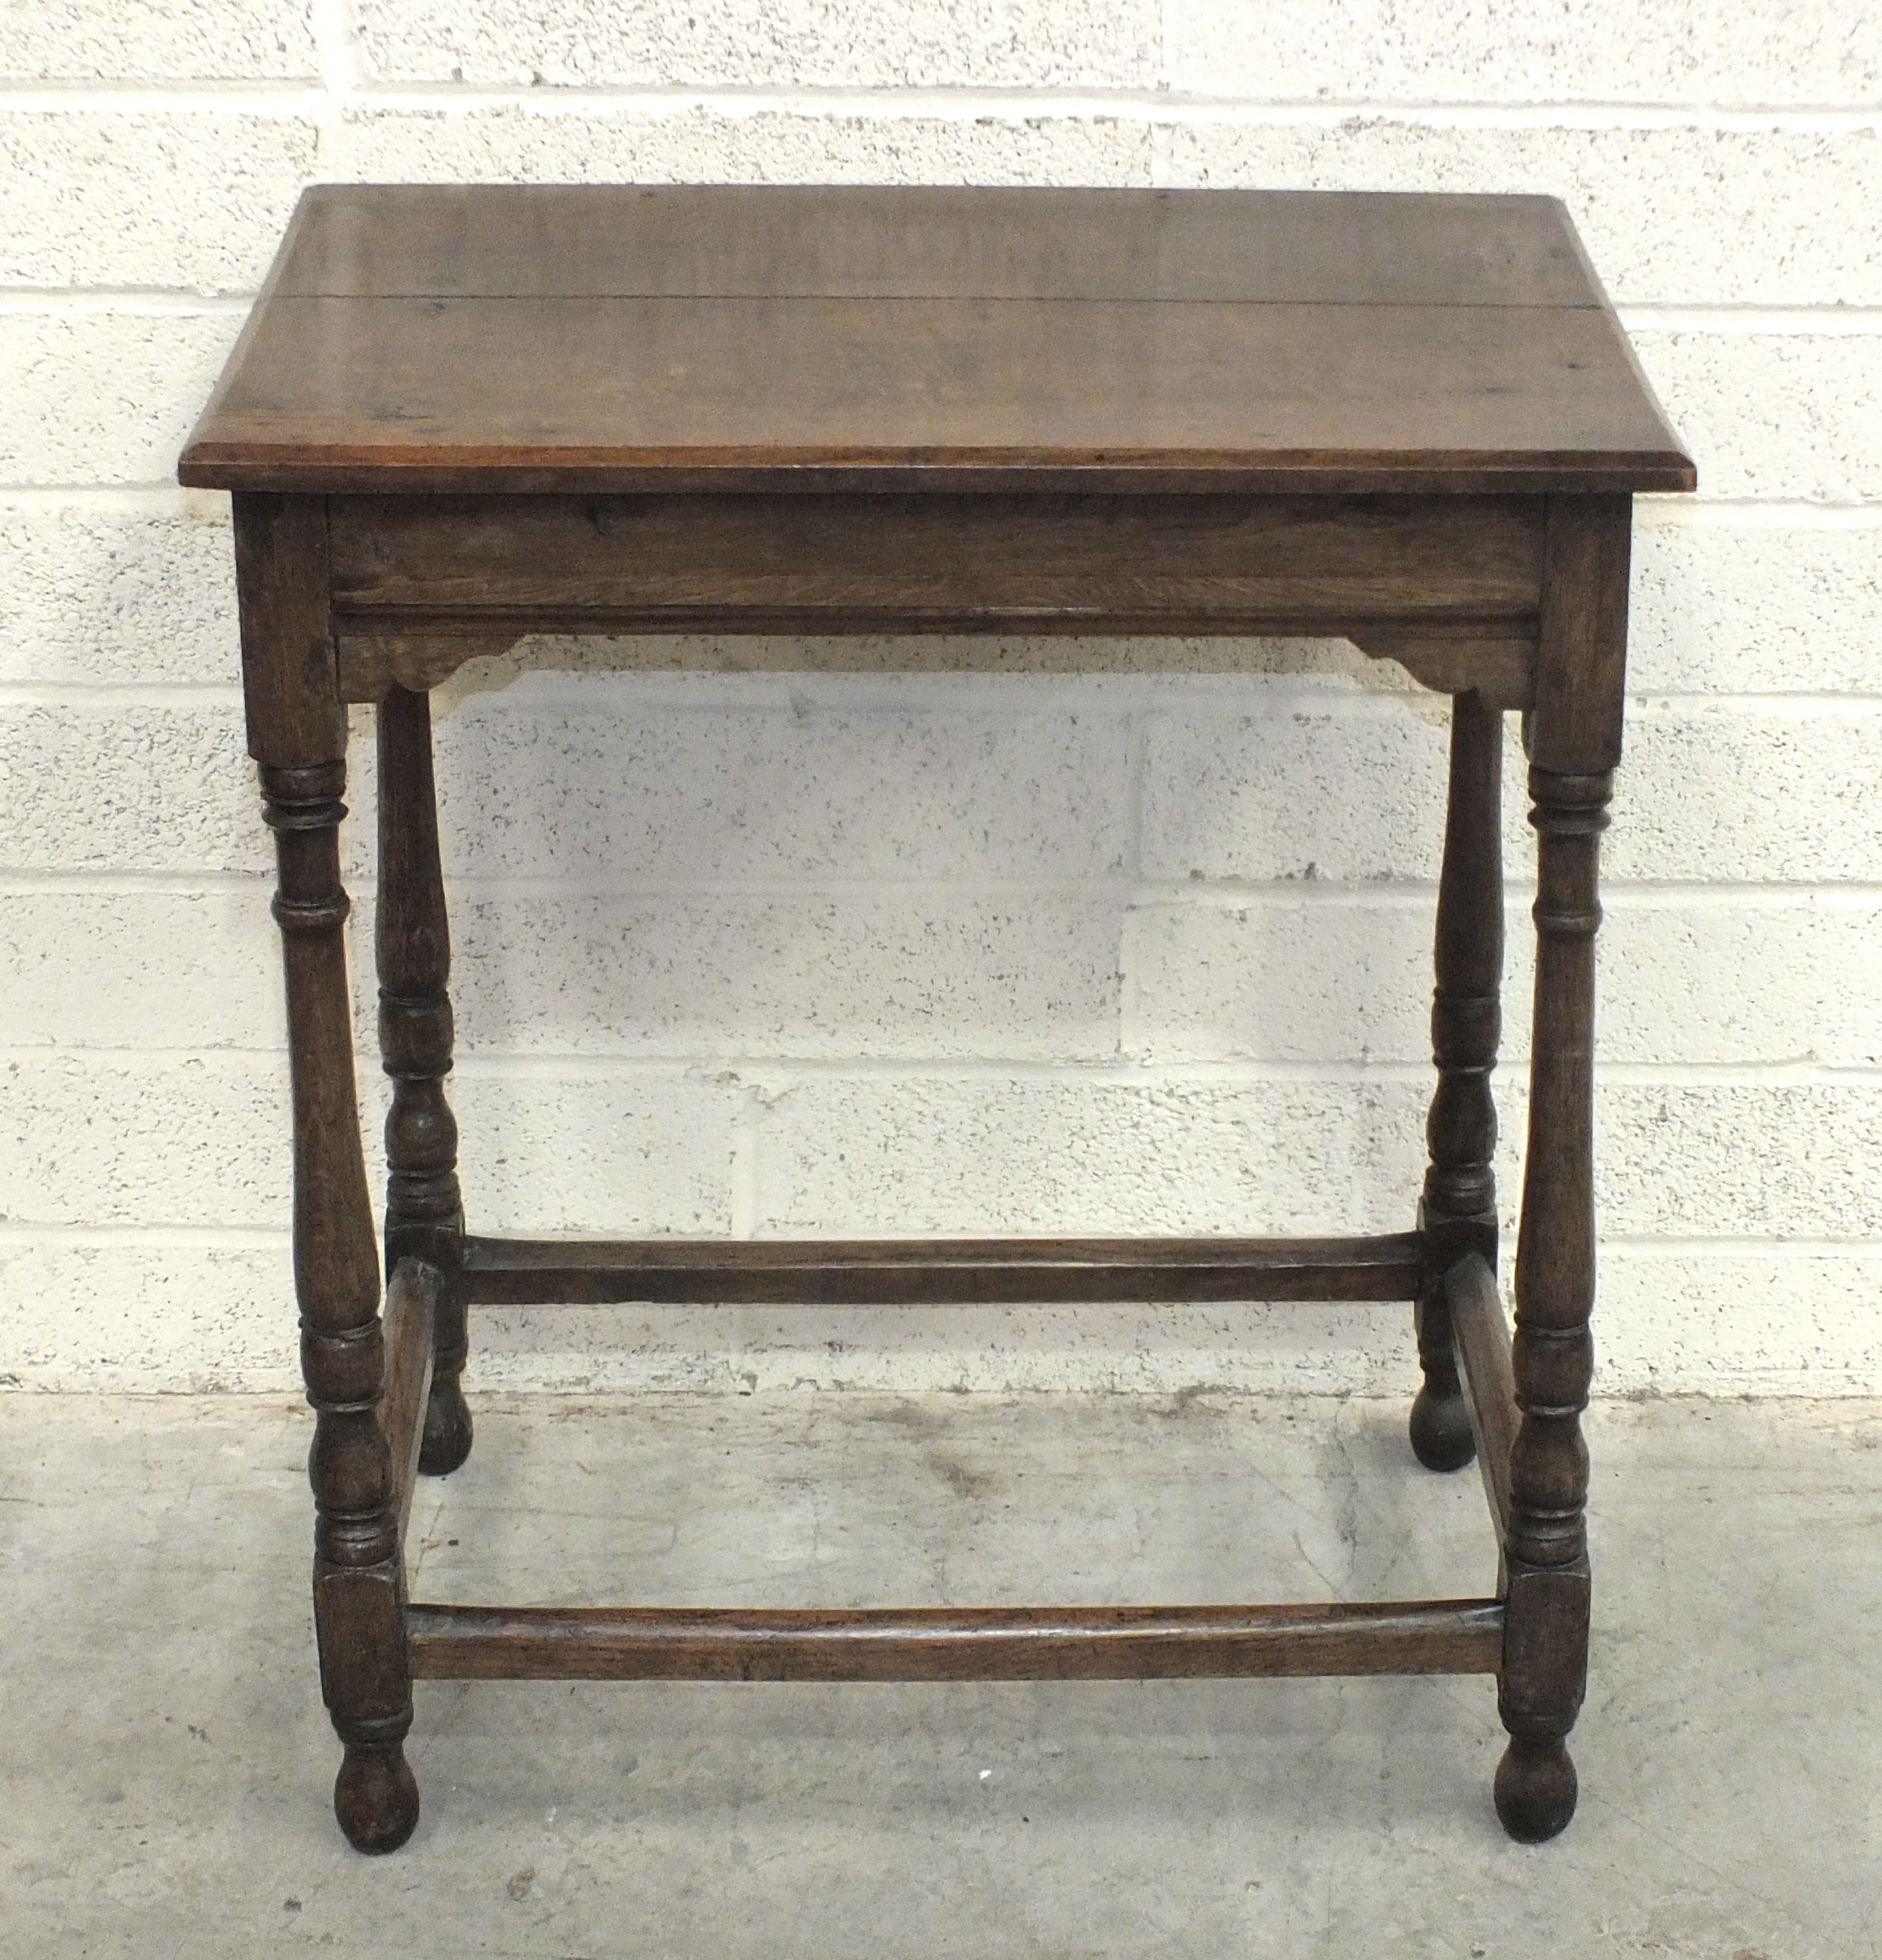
{"x":167,"y":1766}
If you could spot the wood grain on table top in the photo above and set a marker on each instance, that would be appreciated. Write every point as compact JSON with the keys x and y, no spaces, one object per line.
{"x":563,"y":338}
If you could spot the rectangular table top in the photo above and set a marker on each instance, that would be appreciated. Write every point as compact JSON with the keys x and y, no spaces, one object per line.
{"x":570,"y":337}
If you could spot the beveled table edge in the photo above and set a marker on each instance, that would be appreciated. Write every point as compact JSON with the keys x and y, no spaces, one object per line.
{"x":313,"y":470}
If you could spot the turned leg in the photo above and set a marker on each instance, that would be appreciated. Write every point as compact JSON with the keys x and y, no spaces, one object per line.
{"x":1574,"y":741}
{"x":1545,"y":1659}
{"x":358,"y":1575}
{"x":1457,"y":1213}
{"x":424,"y":1210}
{"x":297,"y":734}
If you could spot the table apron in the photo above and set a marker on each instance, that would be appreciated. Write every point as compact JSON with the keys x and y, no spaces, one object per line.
{"x":1449,"y":585}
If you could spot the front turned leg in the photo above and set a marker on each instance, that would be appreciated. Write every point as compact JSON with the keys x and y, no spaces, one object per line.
{"x":1457,"y":1213}
{"x":1545,"y":1661}
{"x":358,"y":1571}
{"x":424,"y":1209}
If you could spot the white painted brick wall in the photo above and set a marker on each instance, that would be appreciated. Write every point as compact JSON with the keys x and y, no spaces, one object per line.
{"x":514,"y":142}
{"x":153,"y":41}
{"x":777,"y":952}
{"x":730,"y":43}
{"x":1465,"y":52}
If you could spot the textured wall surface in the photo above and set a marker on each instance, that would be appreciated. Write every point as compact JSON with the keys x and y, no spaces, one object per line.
{"x":776,"y":952}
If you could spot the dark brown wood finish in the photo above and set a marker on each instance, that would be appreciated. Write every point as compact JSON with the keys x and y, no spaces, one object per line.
{"x":1450,"y":586}
{"x":411,"y":1307}
{"x":460,"y":414}
{"x":1482,"y":1338}
{"x":1573,"y":744}
{"x":358,"y":1575}
{"x":417,"y":563}
{"x":871,"y":241}
{"x":1457,"y":1211}
{"x":1095,"y":395}
{"x":424,"y":1213}
{"x":889,"y":1272}
{"x":1451,"y":656}
{"x":975,"y":1643}
{"x":1049,"y":340}
{"x":290,"y":670}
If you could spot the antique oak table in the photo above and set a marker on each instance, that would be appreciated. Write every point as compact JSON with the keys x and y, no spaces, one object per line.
{"x":459,"y":416}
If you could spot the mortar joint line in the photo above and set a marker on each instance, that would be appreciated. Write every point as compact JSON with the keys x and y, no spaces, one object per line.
{"x":747,"y":1129}
{"x":344,"y":78}
{"x":761,"y":1078}
{"x":1161,"y":172}
{"x":343,"y":74}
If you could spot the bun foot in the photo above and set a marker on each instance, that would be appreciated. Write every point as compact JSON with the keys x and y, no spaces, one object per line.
{"x":1442,"y":1437}
{"x":1536,"y":1788}
{"x":376,"y":1797}
{"x":447,"y":1439}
